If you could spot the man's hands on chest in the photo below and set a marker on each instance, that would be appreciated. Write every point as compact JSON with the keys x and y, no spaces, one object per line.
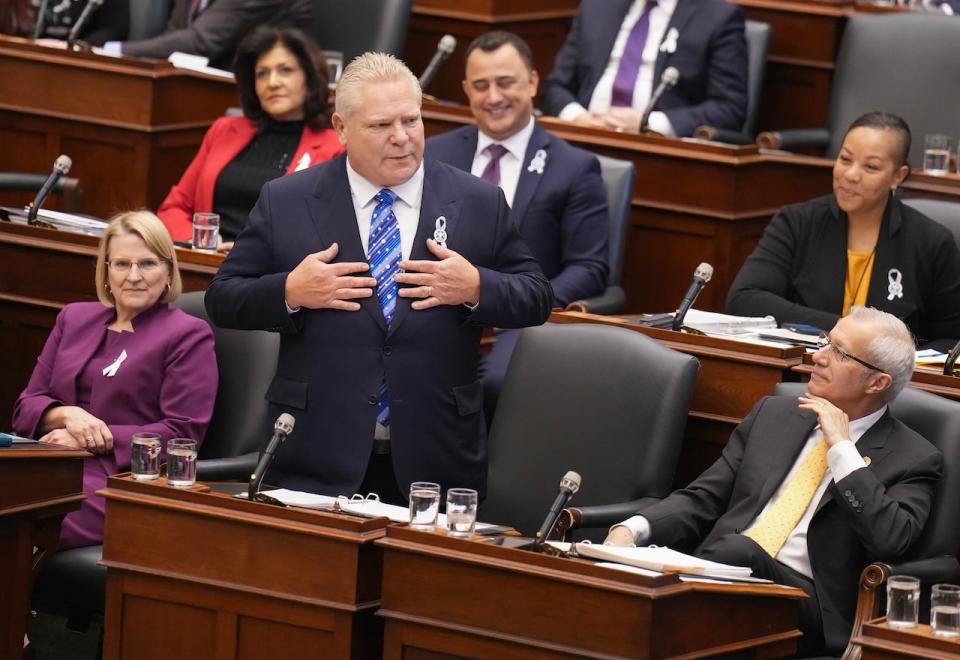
{"x":316,"y":283}
{"x":451,"y":281}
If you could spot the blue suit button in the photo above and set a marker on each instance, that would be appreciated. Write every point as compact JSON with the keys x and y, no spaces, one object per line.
{"x":388,"y":350}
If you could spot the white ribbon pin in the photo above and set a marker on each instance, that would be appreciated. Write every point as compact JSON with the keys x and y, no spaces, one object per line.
{"x":669,"y":43}
{"x":111,"y":370}
{"x":304,"y":163}
{"x":538,"y":162}
{"x":440,"y":233}
{"x":895,"y":284}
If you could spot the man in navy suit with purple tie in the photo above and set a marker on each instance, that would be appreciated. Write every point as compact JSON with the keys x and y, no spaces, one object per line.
{"x":556,"y":196}
{"x":379,"y":269}
{"x":617,"y":51}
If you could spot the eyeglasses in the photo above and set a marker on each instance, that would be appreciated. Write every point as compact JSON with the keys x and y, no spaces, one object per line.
{"x":146,"y":266}
{"x":841,"y":355}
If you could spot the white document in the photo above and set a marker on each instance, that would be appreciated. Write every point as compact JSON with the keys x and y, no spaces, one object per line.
{"x":197,"y":63}
{"x":660,"y":559}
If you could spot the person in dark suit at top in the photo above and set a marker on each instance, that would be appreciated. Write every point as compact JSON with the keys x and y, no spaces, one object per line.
{"x":383,"y":387}
{"x":556,"y":195}
{"x":859,"y":246}
{"x":282,"y":80}
{"x":617,"y":51}
{"x":807,"y":493}
{"x":214,"y":28}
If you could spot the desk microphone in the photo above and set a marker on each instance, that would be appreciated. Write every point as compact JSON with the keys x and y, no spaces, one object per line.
{"x":569,"y":485}
{"x":61,"y":167}
{"x":85,"y":15}
{"x":281,"y":429}
{"x":668,"y":79}
{"x":701,"y":276}
{"x":445,"y":47}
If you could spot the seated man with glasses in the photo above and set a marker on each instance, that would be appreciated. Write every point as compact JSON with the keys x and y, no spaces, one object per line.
{"x":808,"y":492}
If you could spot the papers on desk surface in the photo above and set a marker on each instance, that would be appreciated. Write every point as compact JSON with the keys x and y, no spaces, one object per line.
{"x":197,"y":63}
{"x":726,"y":324}
{"x":930,"y":357}
{"x":369,"y":508}
{"x":80,"y":224}
{"x":651,"y":560}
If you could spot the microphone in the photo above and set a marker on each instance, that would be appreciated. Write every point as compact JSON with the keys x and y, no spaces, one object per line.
{"x":281,"y":429}
{"x":85,"y":15}
{"x":668,"y":79}
{"x":445,"y":47}
{"x":61,"y":167}
{"x":569,"y":485}
{"x":701,"y":276}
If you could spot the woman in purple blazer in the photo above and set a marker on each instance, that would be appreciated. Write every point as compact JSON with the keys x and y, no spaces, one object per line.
{"x":124,"y":365}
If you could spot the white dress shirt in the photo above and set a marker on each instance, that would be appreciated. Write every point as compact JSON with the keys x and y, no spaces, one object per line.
{"x":643,"y":89}
{"x":511,"y":163}
{"x":406,"y":207}
{"x":842,"y":459}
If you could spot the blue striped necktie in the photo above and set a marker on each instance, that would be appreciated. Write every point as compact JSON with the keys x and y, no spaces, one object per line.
{"x":384,"y":250}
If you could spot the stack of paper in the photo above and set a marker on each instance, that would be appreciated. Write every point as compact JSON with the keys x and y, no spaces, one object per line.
{"x":930,"y":358}
{"x":714,"y":323}
{"x":660,"y":559}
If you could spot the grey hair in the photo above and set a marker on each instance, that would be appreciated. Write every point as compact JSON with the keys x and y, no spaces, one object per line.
{"x":892,"y":349}
{"x":371,"y":67}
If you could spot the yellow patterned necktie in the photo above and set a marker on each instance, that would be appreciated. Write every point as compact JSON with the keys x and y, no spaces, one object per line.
{"x":774,"y":526}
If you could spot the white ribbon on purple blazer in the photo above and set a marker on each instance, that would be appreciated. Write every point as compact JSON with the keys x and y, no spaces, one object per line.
{"x":111,"y":369}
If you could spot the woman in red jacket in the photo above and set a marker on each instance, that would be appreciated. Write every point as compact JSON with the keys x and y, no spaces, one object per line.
{"x":282,"y":79}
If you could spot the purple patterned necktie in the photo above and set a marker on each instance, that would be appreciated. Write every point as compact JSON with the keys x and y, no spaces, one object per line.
{"x":491,"y":173}
{"x":631,"y":59}
{"x":384,"y":250}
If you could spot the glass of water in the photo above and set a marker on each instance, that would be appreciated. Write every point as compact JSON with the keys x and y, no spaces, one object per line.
{"x":903,"y":601}
{"x":936,"y":154}
{"x":424,"y":505}
{"x":461,"y":512}
{"x":945,"y":610}
{"x":206,"y":231}
{"x":145,"y":456}
{"x":181,"y":462}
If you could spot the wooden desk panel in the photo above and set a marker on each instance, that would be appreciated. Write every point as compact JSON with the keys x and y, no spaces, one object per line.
{"x":41,"y":484}
{"x":238,"y":579}
{"x":879,"y":642}
{"x":445,"y":597}
{"x":131,"y":126}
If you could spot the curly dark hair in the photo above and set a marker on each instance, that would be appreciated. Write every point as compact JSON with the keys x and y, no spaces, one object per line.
{"x":261,"y":40}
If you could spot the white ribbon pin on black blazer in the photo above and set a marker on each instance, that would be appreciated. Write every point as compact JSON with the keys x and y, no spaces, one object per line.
{"x":895,"y":284}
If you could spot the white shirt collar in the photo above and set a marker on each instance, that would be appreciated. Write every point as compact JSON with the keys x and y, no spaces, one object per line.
{"x":861,"y":425}
{"x":516,"y":144}
{"x":409,"y":192}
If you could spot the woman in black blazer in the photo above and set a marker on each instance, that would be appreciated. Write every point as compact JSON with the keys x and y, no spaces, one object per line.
{"x":858,"y":246}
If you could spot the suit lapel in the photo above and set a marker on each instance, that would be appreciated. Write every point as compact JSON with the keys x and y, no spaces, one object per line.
{"x":608,"y":29}
{"x":527,"y":185}
{"x":797,"y":429}
{"x":462,"y":158}
{"x":334,"y":220}
{"x":435,"y":201}
{"x":682,"y":13}
{"x":872,"y":446}
{"x":887,"y":260}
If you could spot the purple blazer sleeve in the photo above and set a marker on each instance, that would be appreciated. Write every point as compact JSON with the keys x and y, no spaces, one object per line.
{"x":37,"y":397}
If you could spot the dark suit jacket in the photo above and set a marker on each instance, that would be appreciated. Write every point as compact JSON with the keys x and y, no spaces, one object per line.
{"x":561,"y":214}
{"x":874,"y":514}
{"x":332,"y":362}
{"x":797,"y":271}
{"x":216,"y":32}
{"x":711,"y":56}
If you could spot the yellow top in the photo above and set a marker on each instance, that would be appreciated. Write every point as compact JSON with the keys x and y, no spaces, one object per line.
{"x":859,"y":266}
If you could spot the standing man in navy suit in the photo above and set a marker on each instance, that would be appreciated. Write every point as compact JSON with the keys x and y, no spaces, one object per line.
{"x":556,"y":195}
{"x":617,"y":51}
{"x":379,"y":270}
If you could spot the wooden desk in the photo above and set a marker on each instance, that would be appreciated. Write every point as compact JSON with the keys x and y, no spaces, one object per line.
{"x":692,"y":202}
{"x":733,"y":377}
{"x":446,"y":597}
{"x":879,"y":642}
{"x":40,"y":485}
{"x":131,"y":126}
{"x":201,"y":575}
{"x":41,"y":270}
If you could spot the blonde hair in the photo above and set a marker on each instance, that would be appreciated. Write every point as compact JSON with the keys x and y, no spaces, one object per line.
{"x":371,"y":67}
{"x":150,"y":229}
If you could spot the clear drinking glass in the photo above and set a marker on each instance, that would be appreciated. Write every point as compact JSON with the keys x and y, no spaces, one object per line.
{"x":182,"y":462}
{"x":945,"y":610}
{"x":461,"y":512}
{"x":145,"y":456}
{"x":903,"y":601}
{"x":936,"y":154}
{"x":424,"y":505}
{"x":206,"y":231}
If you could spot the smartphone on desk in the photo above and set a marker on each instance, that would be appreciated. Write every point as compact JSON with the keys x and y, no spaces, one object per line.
{"x":803,"y":329}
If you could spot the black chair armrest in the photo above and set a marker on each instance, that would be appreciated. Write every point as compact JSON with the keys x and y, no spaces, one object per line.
{"x":722,"y":135}
{"x":610,"y":301}
{"x":929,"y":571}
{"x":233,"y":468}
{"x":794,"y":139}
{"x":603,"y":515}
